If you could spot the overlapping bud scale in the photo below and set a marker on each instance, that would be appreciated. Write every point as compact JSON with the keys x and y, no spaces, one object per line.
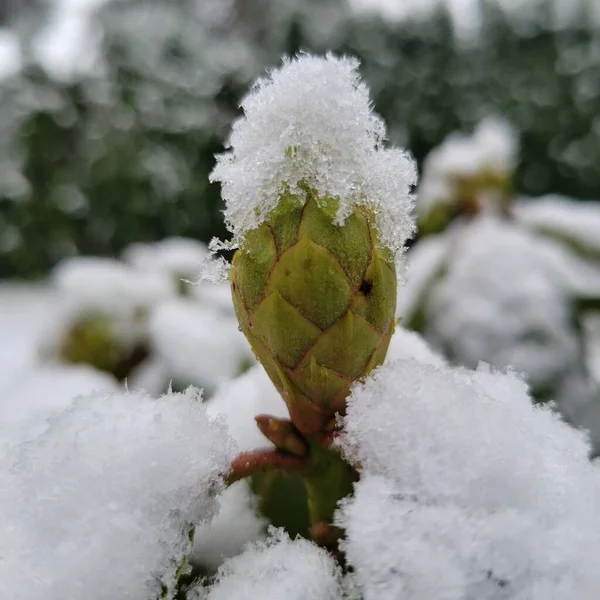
{"x":316,"y":301}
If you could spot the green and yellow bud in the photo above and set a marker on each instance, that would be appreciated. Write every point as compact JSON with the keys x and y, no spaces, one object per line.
{"x":316,"y":301}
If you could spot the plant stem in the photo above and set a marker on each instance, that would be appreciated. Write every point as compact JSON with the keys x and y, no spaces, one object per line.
{"x":328,"y":480}
{"x":259,"y":461}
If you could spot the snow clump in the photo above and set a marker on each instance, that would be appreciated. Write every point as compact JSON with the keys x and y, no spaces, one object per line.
{"x":100,"y":506}
{"x":311,"y":123}
{"x":467,"y":490}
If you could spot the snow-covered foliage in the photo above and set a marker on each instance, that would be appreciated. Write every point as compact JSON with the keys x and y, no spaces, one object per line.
{"x":143,"y":321}
{"x":510,"y":283}
{"x":311,"y":123}
{"x":467,"y":174}
{"x":102,"y":503}
{"x":576,"y":224}
{"x":467,"y":490}
{"x":461,"y":487}
{"x":278,"y":568}
{"x":180,"y":258}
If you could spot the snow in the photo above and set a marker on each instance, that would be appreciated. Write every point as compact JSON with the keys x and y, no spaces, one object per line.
{"x":311,"y":122}
{"x":425,"y":261}
{"x":236,"y":524}
{"x":494,"y":496}
{"x":100,"y":505}
{"x":576,"y":223}
{"x":198,"y":345}
{"x":486,"y":306}
{"x":108,"y":285}
{"x":240,"y":400}
{"x":407,"y":344}
{"x":107,"y":289}
{"x":179,"y":257}
{"x":43,"y":391}
{"x":278,"y":568}
{"x":25,"y":310}
{"x":490,"y":150}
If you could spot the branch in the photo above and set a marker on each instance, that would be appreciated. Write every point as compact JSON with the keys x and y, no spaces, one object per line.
{"x":259,"y":461}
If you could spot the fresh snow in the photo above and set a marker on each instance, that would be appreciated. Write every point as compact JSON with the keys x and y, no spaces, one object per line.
{"x":41,"y":392}
{"x":198,"y":345}
{"x":467,"y":490}
{"x":275,"y":569}
{"x":490,"y":149}
{"x":485,"y":303}
{"x":100,"y":505}
{"x":311,"y":121}
{"x":575,"y":223}
{"x":407,"y":344}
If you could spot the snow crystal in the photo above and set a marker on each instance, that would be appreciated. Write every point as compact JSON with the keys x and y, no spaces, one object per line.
{"x":491,"y":149}
{"x":467,"y":490}
{"x":40,"y":392}
{"x":198,"y":345}
{"x":278,"y":568}
{"x":311,"y":122}
{"x":100,"y":505}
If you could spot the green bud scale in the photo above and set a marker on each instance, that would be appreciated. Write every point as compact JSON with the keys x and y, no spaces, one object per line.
{"x":316,"y":301}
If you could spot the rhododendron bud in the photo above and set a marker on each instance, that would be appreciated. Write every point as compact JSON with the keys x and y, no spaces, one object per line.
{"x":316,"y":302}
{"x":319,"y":210}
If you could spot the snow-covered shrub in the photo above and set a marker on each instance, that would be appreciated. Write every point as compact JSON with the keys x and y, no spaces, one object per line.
{"x":424,"y":481}
{"x":504,"y":279}
{"x":143,"y":321}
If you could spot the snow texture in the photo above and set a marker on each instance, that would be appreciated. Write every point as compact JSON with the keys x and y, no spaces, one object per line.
{"x":467,"y":490}
{"x":100,"y":505}
{"x":311,"y":121}
{"x":278,"y":568}
{"x":41,"y":392}
{"x":198,"y":345}
{"x":491,"y":149}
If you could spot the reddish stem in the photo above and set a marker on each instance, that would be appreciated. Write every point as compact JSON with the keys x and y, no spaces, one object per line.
{"x":259,"y":461}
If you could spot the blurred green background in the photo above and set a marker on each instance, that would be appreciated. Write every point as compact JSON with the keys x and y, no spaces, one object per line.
{"x":111,"y":113}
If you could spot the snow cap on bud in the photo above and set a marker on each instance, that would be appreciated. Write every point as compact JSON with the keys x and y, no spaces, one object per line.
{"x":319,"y":210}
